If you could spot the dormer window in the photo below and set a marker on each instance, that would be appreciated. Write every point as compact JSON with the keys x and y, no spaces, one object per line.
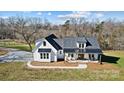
{"x":44,"y":43}
{"x":81,"y":45}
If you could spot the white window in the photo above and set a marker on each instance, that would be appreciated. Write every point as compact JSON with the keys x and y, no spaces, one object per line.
{"x":47,"y":55}
{"x":70,"y":55}
{"x":60,"y":51}
{"x":44,"y":55}
{"x":44,"y":43}
{"x":81,"y":45}
{"x":41,"y":55}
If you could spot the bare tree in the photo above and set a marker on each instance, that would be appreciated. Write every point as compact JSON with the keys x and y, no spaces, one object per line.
{"x":79,"y":26}
{"x":2,"y":24}
{"x":109,"y":32}
{"x":66,"y":27}
{"x":26,"y":27}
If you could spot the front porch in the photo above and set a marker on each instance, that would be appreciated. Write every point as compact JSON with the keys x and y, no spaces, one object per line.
{"x":82,"y":58}
{"x":82,"y":61}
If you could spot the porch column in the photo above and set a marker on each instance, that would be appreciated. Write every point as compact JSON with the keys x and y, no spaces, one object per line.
{"x":100,"y":57}
{"x":65,"y":57}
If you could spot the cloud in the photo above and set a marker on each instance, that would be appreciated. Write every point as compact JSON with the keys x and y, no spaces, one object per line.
{"x":76,"y":14}
{"x":4,"y":17}
{"x":49,"y":13}
{"x":39,"y":13}
{"x":27,"y":11}
{"x":99,"y":15}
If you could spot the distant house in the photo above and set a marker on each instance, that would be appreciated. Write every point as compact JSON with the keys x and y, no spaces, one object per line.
{"x":71,"y":49}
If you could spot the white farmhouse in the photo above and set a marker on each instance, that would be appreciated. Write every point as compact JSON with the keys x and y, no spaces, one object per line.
{"x":72,"y":49}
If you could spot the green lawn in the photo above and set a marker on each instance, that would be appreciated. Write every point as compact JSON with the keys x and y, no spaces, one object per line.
{"x":15,"y":44}
{"x":117,"y":54}
{"x":19,"y":71}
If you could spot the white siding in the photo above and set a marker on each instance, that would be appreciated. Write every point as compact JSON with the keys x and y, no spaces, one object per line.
{"x":38,"y":58}
{"x":86,"y":56}
{"x":60,"y":56}
{"x":81,"y":43}
{"x":96,"y":56}
{"x":52,"y":55}
{"x":84,"y":45}
{"x":70,"y":58}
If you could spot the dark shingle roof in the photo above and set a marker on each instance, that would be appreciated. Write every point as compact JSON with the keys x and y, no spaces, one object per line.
{"x":72,"y":41}
{"x":59,"y":41}
{"x":91,"y":42}
{"x":69,"y":44}
{"x":70,"y":50}
{"x":44,"y":50}
{"x":50,"y":39}
{"x":52,"y":36}
{"x":75,"y":50}
{"x":90,"y":51}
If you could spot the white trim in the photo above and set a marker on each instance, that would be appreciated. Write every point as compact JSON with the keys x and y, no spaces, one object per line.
{"x":52,"y":56}
{"x":40,"y":44}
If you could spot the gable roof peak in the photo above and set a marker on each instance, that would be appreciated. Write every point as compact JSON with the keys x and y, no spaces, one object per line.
{"x":52,"y":36}
{"x":51,"y":40}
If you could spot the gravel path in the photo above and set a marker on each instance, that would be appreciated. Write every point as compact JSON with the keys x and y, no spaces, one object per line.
{"x":80,"y":66}
{"x":15,"y":55}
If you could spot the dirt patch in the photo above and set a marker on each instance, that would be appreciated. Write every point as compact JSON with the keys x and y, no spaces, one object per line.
{"x":106,"y":66}
{"x":54,"y":64}
{"x":3,"y":52}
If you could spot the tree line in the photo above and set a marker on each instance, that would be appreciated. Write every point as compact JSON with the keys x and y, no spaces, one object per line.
{"x":109,"y":33}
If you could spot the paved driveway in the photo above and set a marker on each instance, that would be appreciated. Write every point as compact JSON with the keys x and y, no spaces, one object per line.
{"x":16,"y":55}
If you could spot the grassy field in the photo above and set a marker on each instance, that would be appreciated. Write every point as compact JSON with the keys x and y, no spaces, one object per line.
{"x":18,"y":71}
{"x":15,"y":44}
{"x":115,"y":57}
{"x":107,"y":71}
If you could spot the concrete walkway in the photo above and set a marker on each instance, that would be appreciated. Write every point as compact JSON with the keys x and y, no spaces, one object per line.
{"x":15,"y":55}
{"x":81,"y":66}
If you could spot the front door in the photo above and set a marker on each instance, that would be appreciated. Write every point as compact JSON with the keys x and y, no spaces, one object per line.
{"x":80,"y":56}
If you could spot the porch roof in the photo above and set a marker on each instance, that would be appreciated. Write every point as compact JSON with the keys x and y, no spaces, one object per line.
{"x":83,"y":50}
{"x":44,"y":50}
